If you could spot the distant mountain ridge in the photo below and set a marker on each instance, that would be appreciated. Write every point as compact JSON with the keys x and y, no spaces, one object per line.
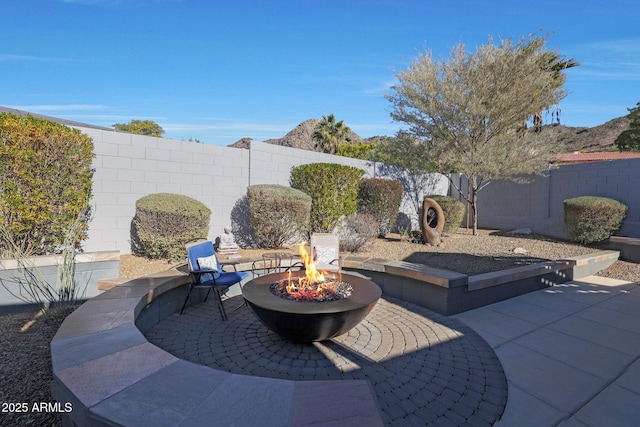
{"x":298,"y":137}
{"x":576,"y":139}
{"x":595,"y":139}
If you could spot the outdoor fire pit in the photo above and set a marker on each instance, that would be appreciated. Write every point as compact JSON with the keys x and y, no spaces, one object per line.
{"x":306,"y":320}
{"x":309,"y":305}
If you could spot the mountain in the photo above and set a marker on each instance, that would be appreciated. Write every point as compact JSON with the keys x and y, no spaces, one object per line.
{"x":582,"y":139}
{"x":592,"y":140}
{"x":298,"y":137}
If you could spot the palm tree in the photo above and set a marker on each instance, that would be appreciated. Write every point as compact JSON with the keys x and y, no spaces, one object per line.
{"x":328,"y":134}
{"x":556,"y":64}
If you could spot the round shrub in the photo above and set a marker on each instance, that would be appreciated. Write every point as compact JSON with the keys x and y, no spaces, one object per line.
{"x":45,"y":181}
{"x":278,"y":214}
{"x":381,"y":199}
{"x":164,"y":222}
{"x":590,"y":219}
{"x":333,"y":189}
{"x":357,"y":232}
{"x":453,"y":211}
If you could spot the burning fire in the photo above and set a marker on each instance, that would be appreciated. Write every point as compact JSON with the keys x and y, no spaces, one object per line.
{"x":314,"y":286}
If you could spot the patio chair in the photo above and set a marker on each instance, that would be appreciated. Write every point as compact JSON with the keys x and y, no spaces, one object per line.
{"x":206,"y":272}
{"x":325,"y":250}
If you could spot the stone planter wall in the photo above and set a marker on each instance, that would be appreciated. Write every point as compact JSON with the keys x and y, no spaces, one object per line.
{"x":90,"y":268}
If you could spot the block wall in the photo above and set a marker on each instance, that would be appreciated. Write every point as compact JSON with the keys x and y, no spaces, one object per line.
{"x":538,"y":205}
{"x":128,"y":167}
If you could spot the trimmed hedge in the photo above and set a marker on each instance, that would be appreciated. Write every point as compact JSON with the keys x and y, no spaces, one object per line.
{"x":590,"y":219}
{"x":165,"y":222}
{"x":45,"y":181}
{"x":333,"y":189}
{"x":453,"y":211}
{"x":278,"y":214}
{"x":381,"y":199}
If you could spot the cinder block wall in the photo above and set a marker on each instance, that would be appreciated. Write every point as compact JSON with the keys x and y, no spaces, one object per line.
{"x":128,"y":167}
{"x":539,"y":204}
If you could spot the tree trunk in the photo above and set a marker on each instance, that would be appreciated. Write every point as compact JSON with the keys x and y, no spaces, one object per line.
{"x":474,"y":203}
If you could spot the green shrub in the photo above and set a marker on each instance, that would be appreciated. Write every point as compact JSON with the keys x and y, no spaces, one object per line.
{"x":278,"y":214}
{"x":357,"y":232}
{"x":453,"y":211}
{"x":164,"y":222}
{"x":45,"y":181}
{"x":333,"y":189}
{"x":381,"y":199}
{"x":590,"y":219}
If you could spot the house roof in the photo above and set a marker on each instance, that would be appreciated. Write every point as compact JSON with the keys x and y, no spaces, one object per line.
{"x":595,"y":157}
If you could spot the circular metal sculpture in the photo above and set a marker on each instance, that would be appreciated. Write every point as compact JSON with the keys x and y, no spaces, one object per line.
{"x":308,"y":321}
{"x":431,"y":222}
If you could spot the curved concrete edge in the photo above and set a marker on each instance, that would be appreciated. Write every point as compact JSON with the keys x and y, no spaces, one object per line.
{"x":104,"y":366}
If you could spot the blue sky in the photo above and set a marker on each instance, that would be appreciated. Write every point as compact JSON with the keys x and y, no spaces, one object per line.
{"x":222,"y":70}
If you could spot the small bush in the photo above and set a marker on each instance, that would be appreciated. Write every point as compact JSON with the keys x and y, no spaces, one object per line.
{"x":278,"y":214}
{"x":591,"y":219}
{"x":357,"y":232}
{"x":164,"y":222}
{"x":333,"y":189}
{"x":45,"y":182}
{"x":411,"y":236}
{"x":381,"y":199}
{"x":453,"y":211}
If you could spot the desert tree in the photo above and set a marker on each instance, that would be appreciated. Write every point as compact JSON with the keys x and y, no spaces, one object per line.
{"x":328,"y":134}
{"x":141,"y":127}
{"x":404,"y":157}
{"x":629,"y":140}
{"x":406,"y":151}
{"x":467,"y":110}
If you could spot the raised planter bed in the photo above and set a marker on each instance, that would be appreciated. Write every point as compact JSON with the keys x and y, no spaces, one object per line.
{"x":448,"y":292}
{"x":629,"y":247}
{"x":91,"y":268}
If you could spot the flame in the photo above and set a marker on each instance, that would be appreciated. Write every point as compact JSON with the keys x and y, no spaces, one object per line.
{"x":311,"y":272}
{"x":313,"y":284}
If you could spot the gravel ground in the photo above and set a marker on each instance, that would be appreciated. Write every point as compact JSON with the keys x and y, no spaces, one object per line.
{"x":25,"y":369}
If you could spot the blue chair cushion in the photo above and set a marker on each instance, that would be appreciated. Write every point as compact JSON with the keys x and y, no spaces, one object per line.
{"x":223,"y":279}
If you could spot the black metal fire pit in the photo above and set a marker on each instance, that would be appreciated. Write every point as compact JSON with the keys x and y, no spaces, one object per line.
{"x":305,"y":321}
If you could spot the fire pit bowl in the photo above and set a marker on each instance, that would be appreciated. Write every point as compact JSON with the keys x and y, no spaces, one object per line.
{"x":307,"y":321}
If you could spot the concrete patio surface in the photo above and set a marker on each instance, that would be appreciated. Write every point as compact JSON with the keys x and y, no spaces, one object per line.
{"x":571,"y":353}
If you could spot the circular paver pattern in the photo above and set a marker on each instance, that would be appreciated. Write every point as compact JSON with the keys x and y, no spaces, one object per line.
{"x":425,"y":368}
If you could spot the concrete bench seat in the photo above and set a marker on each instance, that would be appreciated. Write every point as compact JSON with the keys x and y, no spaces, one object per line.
{"x":105,"y":367}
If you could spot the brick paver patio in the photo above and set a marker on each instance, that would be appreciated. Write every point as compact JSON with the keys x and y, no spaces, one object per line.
{"x":425,"y":368}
